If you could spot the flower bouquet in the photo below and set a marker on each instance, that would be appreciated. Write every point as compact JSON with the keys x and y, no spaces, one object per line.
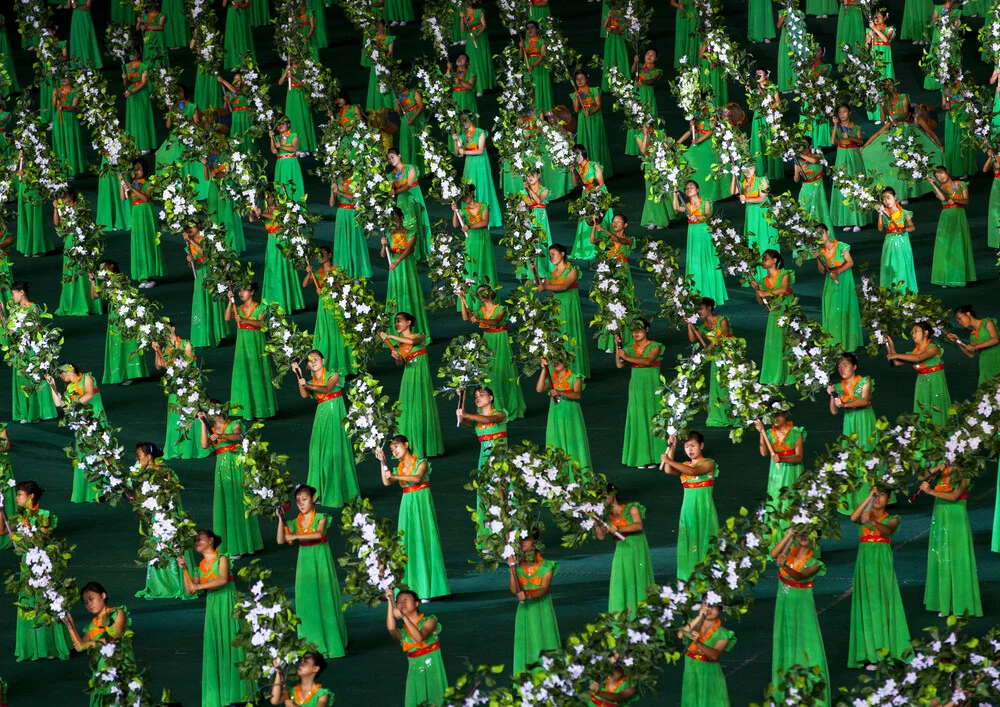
{"x":679,"y":300}
{"x":156,"y":498}
{"x":683,"y":398}
{"x":376,"y":557}
{"x":268,"y":627}
{"x":267,"y":481}
{"x":371,"y":415}
{"x":539,"y":331}
{"x":467,"y":363}
{"x":446,"y":263}
{"x":285,"y":342}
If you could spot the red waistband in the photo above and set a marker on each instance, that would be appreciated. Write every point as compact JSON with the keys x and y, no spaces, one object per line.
{"x":410,"y":110}
{"x":414,"y":354}
{"x":323,"y":397}
{"x":424,"y":651}
{"x":699,"y":131}
{"x":932,"y":369}
{"x":492,"y":436}
{"x":952,"y":206}
{"x":200,"y":259}
{"x":814,"y":179}
{"x":694,"y":655}
{"x":227,"y":448}
{"x":287,"y":156}
{"x":138,"y":201}
{"x":796,"y":585}
{"x":539,"y":206}
{"x":396,"y":250}
{"x":848,"y":145}
{"x":654,"y":364}
{"x":309,"y":543}
{"x":347,"y":206}
{"x":494,"y":330}
{"x":239,"y":108}
{"x":895,"y":230}
{"x":417,"y":487}
{"x":881,"y":44}
{"x":701,"y":220}
{"x":245,"y":327}
{"x":785,"y":452}
{"x":874,"y":539}
{"x":698,"y":484}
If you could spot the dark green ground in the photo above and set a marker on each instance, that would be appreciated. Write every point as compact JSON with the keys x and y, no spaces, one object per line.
{"x":478,"y":620}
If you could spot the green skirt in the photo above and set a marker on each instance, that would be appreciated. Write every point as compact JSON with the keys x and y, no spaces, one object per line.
{"x":377,"y":100}
{"x":989,"y":364}
{"x":418,"y":419}
{"x":411,"y":203}
{"x":181,"y":444}
{"x":931,"y":397}
{"x":154,"y":49}
{"x":698,"y":525}
{"x":812,"y":198}
{"x":504,"y":379}
{"x":146,"y":260}
{"x":167,"y":581}
{"x":701,"y":263}
{"x":426,"y":680}
{"x":841,"y":215}
{"x":542,"y":80}
{"x":760,"y":137}
{"x":995,"y":544}
{"x":797,"y":639}
{"x":409,"y":145}
{"x":993,"y":216}
{"x":656,"y":213}
{"x":329,"y":339}
{"x":75,"y":299}
{"x":878,"y":619}
{"x":641,"y":446}
{"x":480,"y":259}
{"x":7,"y":61}
{"x":760,"y":21}
{"x":718,"y":403}
{"x":175,"y":31}
{"x":631,"y":574}
{"x":208,"y":324}
{"x":223,"y":212}
{"x":139,"y":120}
{"x":582,"y":248}
{"x":566,"y":429}
{"x":37,"y":406}
{"x":880,"y":165}
{"x":896,"y":267}
{"x":240,"y":126}
{"x":841,"y":314}
{"x":615,"y":54}
{"x":33,"y":642}
{"x":958,"y":159}
{"x":238,"y":38}
{"x":821,"y":7}
{"x":703,"y":682}
{"x":208,"y":93}
{"x":702,"y":157}
{"x":647,"y":97}
{"x":318,"y":602}
{"x":318,"y":8}
{"x":83,"y":46}
{"x":123,"y":11}
{"x":331,"y":457}
{"x":252,"y":394}
{"x":952,"y":580}
{"x":84,"y":491}
{"x":478,"y":171}
{"x":35,"y":232}
{"x":299,"y":113}
{"x":259,"y":14}
{"x":240,"y":535}
{"x":122,"y":359}
{"x":859,"y":422}
{"x":685,"y":37}
{"x":113,"y":212}
{"x":281,"y":281}
{"x":465,"y":100}
{"x":535,"y":630}
{"x":350,"y":248}
{"x":953,"y":264}
{"x":780,"y":476}
{"x":288,"y":173}
{"x":786,"y":71}
{"x":774,"y":365}
{"x":760,"y":234}
{"x":425,"y":572}
{"x":480,"y":61}
{"x":220,"y":678}
{"x":559,"y":182}
{"x":591,"y":134}
{"x":571,"y":321}
{"x":916,"y":16}
{"x":850,"y":30}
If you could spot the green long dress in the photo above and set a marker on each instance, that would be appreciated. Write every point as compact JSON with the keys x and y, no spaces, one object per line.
{"x":685,"y":35}
{"x":331,"y":458}
{"x":238,"y":37}
{"x":654,"y":213}
{"x":490,"y":435}
{"x":586,"y":173}
{"x":154,"y":46}
{"x":714,"y":78}
{"x":632,"y":566}
{"x":166,"y":580}
{"x":571,"y":318}
{"x":35,"y":232}
{"x":959,"y":159}
{"x":425,"y":572}
{"x":465,"y":98}
{"x":879,"y":161}
{"x":851,"y":25}
{"x":7,"y":494}
{"x":411,"y":202}
{"x":113,"y":212}
{"x":85,"y":491}
{"x":797,"y":639}
{"x":300,"y":114}
{"x":535,"y":626}
{"x":859,"y":422}
{"x":7,"y":61}
{"x":350,"y":247}
{"x":426,"y":680}
{"x":565,"y":427}
{"x":240,"y":534}
{"x":989,"y":358}
{"x":930,"y":83}
{"x":37,"y":406}
{"x":122,"y":358}
{"x":841,"y":314}
{"x":252,"y":394}
{"x":703,"y":683}
{"x":281,"y":281}
{"x":377,"y":100}
{"x":821,"y":7}
{"x":409,"y":143}
{"x":812,"y":193}
{"x":37,"y":641}
{"x":208,"y":322}
{"x":146,"y":257}
{"x":241,"y":121}
{"x":952,"y":579}
{"x":699,"y":522}
{"x":615,"y":53}
{"x":480,"y":260}
{"x":884,"y":51}
{"x":541,"y":77}
{"x":539,"y":204}
{"x":774,"y":364}
{"x":641,"y":446}
{"x":208,"y":92}
{"x":328,"y":337}
{"x":848,"y":157}
{"x":178,"y":443}
{"x":258,"y":13}
{"x":480,"y":56}
{"x":718,"y":401}
{"x":101,"y":630}
{"x":930,"y":395}
{"x":703,"y":157}
{"x":504,"y":379}
{"x":878,"y":619}
{"x":404,"y":291}
{"x":74,"y":298}
{"x":782,"y":474}
{"x":786,"y":70}
{"x":220,"y":678}
{"x":916,"y":16}
{"x":138,"y":111}
{"x":953,"y":264}
{"x":760,"y":21}
{"x":761,"y":235}
{"x":317,"y":590}
{"x":66,"y":131}
{"x":701,"y":262}
{"x":478,"y":171}
{"x":83,"y":47}
{"x":123,"y":11}
{"x":418,"y":419}
{"x":287,"y":171}
{"x":222,"y":210}
{"x":647,"y":77}
{"x":590,"y":130}
{"x":896,"y":268}
{"x":993,"y":212}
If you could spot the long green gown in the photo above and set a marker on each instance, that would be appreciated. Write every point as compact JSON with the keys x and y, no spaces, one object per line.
{"x":425,"y":573}
{"x":7,"y":61}
{"x":541,"y":77}
{"x":74,"y":298}
{"x":113,"y":212}
{"x":238,"y":37}
{"x":331,"y":458}
{"x":166,"y":580}
{"x":989,"y":358}
{"x":632,"y":566}
{"x":83,"y":45}
{"x":655,"y":213}
{"x":123,"y":11}
{"x":146,"y":259}
{"x":571,"y":318}
{"x":849,"y":157}
{"x":952,"y":579}
{"x":491,"y":435}
{"x":85,"y":491}
{"x":586,"y":173}
{"x":208,"y":323}
{"x":66,"y":131}
{"x":480,"y":260}
{"x":930,"y":83}
{"x":240,"y":535}
{"x":930,"y":395}
{"x":287,"y":170}
{"x":646,"y":80}
{"x":782,"y":474}
{"x":138,"y":111}
{"x":851,"y":26}
{"x":404,"y":291}
{"x":916,"y":16}
{"x":761,"y":235}
{"x":685,"y":35}
{"x":878,"y":619}
{"x":7,"y":494}
{"x":241,"y":121}
{"x":465,"y":98}
{"x":176,"y":32}
{"x":879,"y":161}
{"x":101,"y":630}
{"x":411,"y":202}
{"x":281,"y":281}
{"x":565,"y":427}
{"x":774,"y":364}
{"x":954,"y":264}
{"x":328,"y":337}
{"x":896,"y":268}
{"x":350,"y":248}
{"x":703,"y":157}
{"x":760,"y":21}
{"x":703,"y":683}
{"x":300,"y":114}
{"x":760,"y":138}
{"x":884,"y":50}
{"x":409,"y":143}
{"x":960,"y":160}
{"x":418,"y":419}
{"x":701,"y":262}
{"x":841,"y":314}
{"x":535,"y":625}
{"x":699,"y":522}
{"x":478,"y":171}
{"x":252,"y":394}
{"x":786,"y":71}
{"x":718,"y":402}
{"x":154,"y":47}
{"x":812,"y":193}
{"x":258,"y":13}
{"x":590,"y":131}
{"x":317,"y":590}
{"x":122,"y":358}
{"x":426,"y":680}
{"x":208,"y":91}
{"x":821,"y":7}
{"x":615,"y":53}
{"x":178,"y":444}
{"x":797,"y":639}
{"x":35,"y":232}
{"x":222,"y":210}
{"x":504,"y":379}
{"x":480,"y":56}
{"x":220,"y":678}
{"x":37,"y":641}
{"x":641,"y":446}
{"x":993,"y":212}
{"x":860,"y":422}
{"x":37,"y":406}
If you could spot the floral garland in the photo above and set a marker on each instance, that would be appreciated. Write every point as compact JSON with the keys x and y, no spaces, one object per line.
{"x":978,"y":132}
{"x":387,"y":67}
{"x":913,"y":164}
{"x":361,"y":314}
{"x":435,"y":25}
{"x":294,"y":239}
{"x":32,"y":348}
{"x":861,"y":76}
{"x":224,"y":272}
{"x":268,"y":627}
{"x":289,"y":42}
{"x":84,"y":239}
{"x":371,"y":417}
{"x":155,"y":496}
{"x":444,"y":184}
{"x":665,"y":166}
{"x":164,"y":81}
{"x":558,"y":147}
{"x":861,"y":192}
{"x":176,"y":188}
{"x":614,"y":296}
{"x":634,"y":17}
{"x":446,"y":267}
{"x":561,"y":59}
{"x":373,"y":199}
{"x":796,"y":227}
{"x":95,"y":450}
{"x":818,"y":94}
{"x":885,"y":312}
{"x":514,"y":15}
{"x":119,"y":38}
{"x":592,"y":204}
{"x":376,"y":556}
{"x":206,"y":36}
{"x":43,"y":588}
{"x":626,"y":93}
{"x":467,"y":363}
{"x":689,"y":91}
{"x":99,"y":116}
{"x":33,"y":16}
{"x":723,"y":51}
{"x":749,"y":400}
{"x":435,"y":88}
{"x":989,"y":36}
{"x":739,"y":257}
{"x":516,"y":147}
{"x":539,"y":330}
{"x":507,"y":511}
{"x":243,"y":180}
{"x":284,"y":341}
{"x":116,"y":678}
{"x":810,"y":353}
{"x":733,"y":149}
{"x":679,"y":300}
{"x":267,"y":482}
{"x":256,"y":90}
{"x":135,"y":314}
{"x":45,"y":176}
{"x":183,"y":384}
{"x":684,"y":397}
{"x":523,"y":238}
{"x":799,"y":686}
{"x":942,"y":60}
{"x":336,"y":152}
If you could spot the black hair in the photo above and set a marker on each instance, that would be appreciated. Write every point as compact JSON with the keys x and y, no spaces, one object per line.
{"x":708,"y":302}
{"x":492,"y":293}
{"x":460,"y":56}
{"x":416,"y":597}
{"x":95,"y":587}
{"x":925,"y":326}
{"x":779,"y":261}
{"x":888,"y":190}
{"x":640,"y":320}
{"x":581,"y":150}
{"x":851,"y":357}
{"x":822,"y":228}
{"x":611,"y":490}
{"x":305,"y":488}
{"x":966,"y":309}
{"x":469,"y":189}
{"x":342,"y":93}
{"x":30,"y":488}
{"x":317,"y":659}
{"x":216,"y":540}
{"x":150,"y":449}
{"x":110,"y":266}
{"x":252,"y":286}
{"x":696,"y":436}
{"x":393,"y":151}
{"x":578,"y":72}
{"x":183,"y":89}
{"x":531,"y":22}
{"x":22,"y":285}
{"x":487,"y":390}
{"x":317,"y":352}
{"x":559,"y":248}
{"x":843,"y":105}
{"x":138,"y":161}
{"x":74,"y":368}
{"x":408,"y":317}
{"x":326,"y":249}
{"x":808,"y":141}
{"x":400,"y":439}
{"x":942,"y":168}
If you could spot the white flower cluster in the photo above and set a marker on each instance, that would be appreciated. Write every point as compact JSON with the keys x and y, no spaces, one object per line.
{"x":857,"y":189}
{"x":179,"y":205}
{"x":437,"y":162}
{"x":811,"y":367}
{"x":32,"y":348}
{"x":733,"y":149}
{"x":524,"y":239}
{"x":435,"y":89}
{"x":681,"y":400}
{"x":99,"y":116}
{"x":558,"y":146}
{"x":687,"y":88}
{"x":513,"y":15}
{"x":39,"y":159}
{"x":944,"y":59}
{"x":372,"y":554}
{"x":356,"y":310}
{"x":159,"y":506}
{"x":627,"y":100}
{"x":749,"y":399}
{"x":264,"y":613}
{"x":553,"y":486}
{"x":673,"y":288}
{"x":362,"y":419}
{"x":614,"y":298}
{"x":862,"y":76}
{"x":39,"y":567}
{"x":729,"y":242}
{"x":437,"y":35}
{"x":255,"y":89}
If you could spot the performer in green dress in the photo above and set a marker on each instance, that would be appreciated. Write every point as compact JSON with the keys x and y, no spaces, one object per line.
{"x":615,"y":51}
{"x":879,"y":160}
{"x":958,"y":158}
{"x":350,"y":246}
{"x":713,"y":327}
{"x":760,"y":22}
{"x":35,"y":233}
{"x":252,"y":395}
{"x":123,"y":11}
{"x":404,"y":293}
{"x":590,"y":122}
{"x":642,"y":449}
{"x":646,"y":78}
{"x":565,"y":427}
{"x":533,"y":47}
{"x":81,"y":389}
{"x":841,"y":313}
{"x":464,"y":83}
{"x":536,"y":197}
{"x":239,"y":105}
{"x":797,"y":639}
{"x":755,"y":193}
{"x":632,"y":566}
{"x":208,"y":324}
{"x":221,"y":207}
{"x":176,"y":33}
{"x":704,"y":683}
{"x":589,"y":175}
{"x":108,"y":627}
{"x":412,"y":119}
{"x":490,"y":423}
{"x":287,"y":171}
{"x":238,"y":37}
{"x":146,"y":261}
{"x":281,"y":281}
{"x":220,"y":677}
{"x":809,"y":170}
{"x":308,"y":693}
{"x":770,"y":289}
{"x":152,"y":22}
{"x":699,"y":522}
{"x":878,"y":619}
{"x":113,"y":212}
{"x":474,"y":217}
{"x":7,"y":494}
{"x":713,"y":77}
{"x":701,"y":262}
{"x":702,"y":156}
{"x":850,"y":28}
{"x":786,"y":70}
{"x":317,"y":589}
{"x":66,"y":126}
{"x":983,"y":340}
{"x":418,"y":420}
{"x":331,"y":457}
{"x":75,"y":298}
{"x":377,"y":98}
{"x":477,"y":44}
{"x":615,"y":687}
{"x":896,"y":268}
{"x":846,"y":135}
{"x":657,"y":210}
{"x":123,"y":361}
{"x":821,"y":9}
{"x":783,"y":443}
{"x":952,"y":579}
{"x":853,"y":395}
{"x":410,"y":199}
{"x":297,"y":109}
{"x":179,"y":443}
{"x":471,"y":144}
{"x":563,"y":281}
{"x":879,"y":38}
{"x":931,"y":398}
{"x":228,"y":509}
{"x":38,"y":404}
{"x":492,"y":319}
{"x":425,"y":571}
{"x":535,"y":626}
{"x":328,"y":336}
{"x":953,"y":264}
{"x":993,"y":211}
{"x":426,"y":681}
{"x":685,"y":33}
{"x":949,"y":13}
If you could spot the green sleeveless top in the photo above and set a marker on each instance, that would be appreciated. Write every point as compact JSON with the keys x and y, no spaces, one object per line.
{"x":425,"y":479}
{"x":769,"y":286}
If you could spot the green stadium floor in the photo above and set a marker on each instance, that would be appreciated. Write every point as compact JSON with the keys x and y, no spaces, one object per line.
{"x":478,"y":620}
